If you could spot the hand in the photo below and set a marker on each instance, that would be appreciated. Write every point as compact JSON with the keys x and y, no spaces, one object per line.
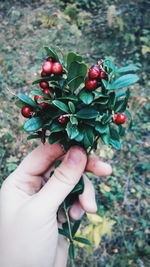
{"x":28,"y":205}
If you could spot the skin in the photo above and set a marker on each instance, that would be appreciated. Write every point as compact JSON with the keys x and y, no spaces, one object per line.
{"x":29,"y":202}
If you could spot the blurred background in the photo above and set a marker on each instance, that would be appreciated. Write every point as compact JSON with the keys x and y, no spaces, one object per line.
{"x":118,"y":30}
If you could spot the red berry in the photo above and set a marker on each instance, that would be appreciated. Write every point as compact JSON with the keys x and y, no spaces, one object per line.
{"x":119,"y":118}
{"x":46,"y":91}
{"x":27,"y":112}
{"x":57,"y":68}
{"x":62,"y":119}
{"x":91,"y":85}
{"x":47,"y":66}
{"x":42,"y":104}
{"x":43,"y":74}
{"x":103,"y":75}
{"x":50,"y":59}
{"x":44,"y":84}
{"x":94,"y":72}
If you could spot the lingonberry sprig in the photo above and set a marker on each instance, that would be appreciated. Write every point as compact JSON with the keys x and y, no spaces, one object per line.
{"x":74,"y":105}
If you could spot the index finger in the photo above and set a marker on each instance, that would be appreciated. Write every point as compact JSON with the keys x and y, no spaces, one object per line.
{"x":40,"y":159}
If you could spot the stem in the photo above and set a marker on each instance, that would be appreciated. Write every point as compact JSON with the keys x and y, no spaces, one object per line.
{"x":68,"y":221}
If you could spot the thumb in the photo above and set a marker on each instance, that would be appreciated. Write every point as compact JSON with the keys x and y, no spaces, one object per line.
{"x":65,"y":177}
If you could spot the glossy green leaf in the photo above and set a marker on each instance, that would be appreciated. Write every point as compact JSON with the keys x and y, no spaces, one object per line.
{"x":80,"y":136}
{"x":33,"y":124}
{"x":101,"y":128}
{"x":76,"y":75}
{"x":71,"y":97}
{"x":73,"y":120}
{"x":79,"y":188}
{"x":87,"y":113}
{"x":126,"y":69}
{"x":88,"y":137}
{"x":33,"y":136}
{"x":115,"y":138}
{"x":56,"y":138}
{"x":51,"y":52}
{"x":61,"y":105}
{"x":71,"y":251}
{"x":106,"y":118}
{"x":72,"y":130}
{"x":71,"y":107}
{"x":86,"y":97}
{"x":71,"y":57}
{"x":20,"y":104}
{"x":63,"y":232}
{"x":109,"y":65}
{"x":123,"y":81}
{"x":27,"y":100}
{"x":56,"y":127}
{"x":82,"y":240}
{"x":75,"y":227}
{"x":45,"y":79}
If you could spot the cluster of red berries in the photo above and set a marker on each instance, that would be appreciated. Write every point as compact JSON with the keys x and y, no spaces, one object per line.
{"x":49,"y":67}
{"x":95,"y":75}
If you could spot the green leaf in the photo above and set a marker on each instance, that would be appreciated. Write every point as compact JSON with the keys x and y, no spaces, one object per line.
{"x":101,"y":128}
{"x":87,"y":113}
{"x":20,"y":103}
{"x":82,"y":240}
{"x":71,"y":107}
{"x":63,"y":232}
{"x":37,"y":92}
{"x":56,"y":127}
{"x":72,"y":251}
{"x":121,"y":130}
{"x":72,"y":130}
{"x":105,"y":83}
{"x":80,"y":136}
{"x":45,"y":79}
{"x":106,"y":138}
{"x":72,"y":57}
{"x":71,"y":97}
{"x":79,"y":188}
{"x":88,"y":137}
{"x":61,"y":105}
{"x":27,"y":100}
{"x":115,"y":143}
{"x":106,"y":118}
{"x":115,"y":139}
{"x":76,"y":75}
{"x":112,"y":100}
{"x":75,"y":227}
{"x":56,"y":138}
{"x":126,"y":69}
{"x":33,"y":124}
{"x":86,"y":97}
{"x":123,"y":81}
{"x":51,"y":52}
{"x":73,"y":120}
{"x":33,"y":136}
{"x":109,"y":65}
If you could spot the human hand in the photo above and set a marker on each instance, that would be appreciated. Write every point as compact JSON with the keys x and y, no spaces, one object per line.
{"x":28,"y":205}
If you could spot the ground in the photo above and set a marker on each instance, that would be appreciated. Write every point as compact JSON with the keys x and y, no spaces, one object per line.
{"x":112,"y":29}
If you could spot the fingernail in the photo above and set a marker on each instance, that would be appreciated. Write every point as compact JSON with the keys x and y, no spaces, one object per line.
{"x":76,"y":155}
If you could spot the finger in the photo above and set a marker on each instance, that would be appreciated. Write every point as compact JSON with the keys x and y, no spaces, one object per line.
{"x":98,"y":167}
{"x":61,"y":252}
{"x":40,"y":159}
{"x":76,"y":212}
{"x":65,"y":177}
{"x":87,"y":198}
